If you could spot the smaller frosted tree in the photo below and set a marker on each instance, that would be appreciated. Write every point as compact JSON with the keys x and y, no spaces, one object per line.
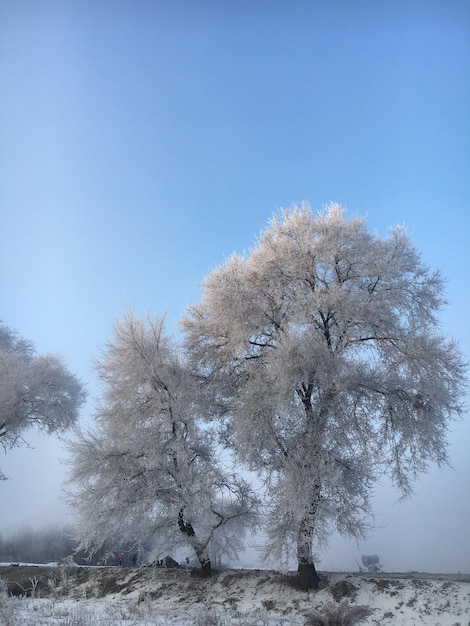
{"x":34,"y":390}
{"x":148,"y":467}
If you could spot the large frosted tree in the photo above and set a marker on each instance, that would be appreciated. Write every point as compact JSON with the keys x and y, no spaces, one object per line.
{"x":35,"y":390}
{"x":148,"y":466}
{"x":322,"y":357}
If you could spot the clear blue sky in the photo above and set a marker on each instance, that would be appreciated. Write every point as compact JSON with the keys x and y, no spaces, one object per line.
{"x":141,"y":143}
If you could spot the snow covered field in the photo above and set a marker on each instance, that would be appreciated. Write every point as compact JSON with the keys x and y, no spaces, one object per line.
{"x":130,"y":597}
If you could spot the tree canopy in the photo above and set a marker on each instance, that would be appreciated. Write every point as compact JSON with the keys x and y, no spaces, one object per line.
{"x":34,"y":390}
{"x":323,"y":361}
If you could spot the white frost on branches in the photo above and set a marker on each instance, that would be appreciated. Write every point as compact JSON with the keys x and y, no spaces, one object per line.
{"x":34,"y":390}
{"x":325,"y":364}
{"x":148,"y":468}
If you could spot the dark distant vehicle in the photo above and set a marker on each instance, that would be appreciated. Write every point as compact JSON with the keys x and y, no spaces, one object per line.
{"x":371,"y":563}
{"x":167,"y":562}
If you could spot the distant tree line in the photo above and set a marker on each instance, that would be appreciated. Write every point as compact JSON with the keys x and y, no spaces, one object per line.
{"x":51,"y":544}
{"x":36,"y":546}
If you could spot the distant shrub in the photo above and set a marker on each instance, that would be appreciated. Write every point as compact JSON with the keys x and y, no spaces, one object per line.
{"x":338,"y":614}
{"x":343,"y":589}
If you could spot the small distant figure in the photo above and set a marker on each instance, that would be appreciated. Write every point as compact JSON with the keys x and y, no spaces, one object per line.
{"x":121,"y":560}
{"x":187,"y":561}
{"x":134,"y":560}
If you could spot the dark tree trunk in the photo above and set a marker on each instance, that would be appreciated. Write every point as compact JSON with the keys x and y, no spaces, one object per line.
{"x":206,"y":568}
{"x":308,"y":577}
{"x":201,"y":550}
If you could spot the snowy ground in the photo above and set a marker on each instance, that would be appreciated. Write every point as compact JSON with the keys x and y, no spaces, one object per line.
{"x":127,"y":597}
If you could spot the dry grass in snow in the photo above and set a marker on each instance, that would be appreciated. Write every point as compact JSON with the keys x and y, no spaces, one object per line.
{"x":149,"y":597}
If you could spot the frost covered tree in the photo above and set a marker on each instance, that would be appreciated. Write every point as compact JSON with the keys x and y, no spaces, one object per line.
{"x":148,"y":467}
{"x":323,"y":359}
{"x":34,"y":390}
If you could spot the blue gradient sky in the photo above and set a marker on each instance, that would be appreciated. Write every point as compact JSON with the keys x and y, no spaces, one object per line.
{"x":141,"y":143}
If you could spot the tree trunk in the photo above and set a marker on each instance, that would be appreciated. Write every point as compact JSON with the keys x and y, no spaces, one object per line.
{"x":206,"y":568}
{"x":200,"y":549}
{"x":308,"y":577}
